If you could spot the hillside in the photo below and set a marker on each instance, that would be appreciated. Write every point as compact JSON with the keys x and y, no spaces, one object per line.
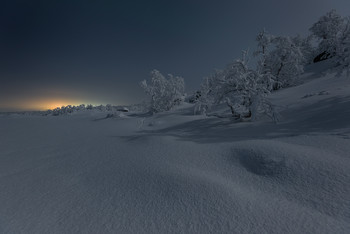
{"x":179,"y":173}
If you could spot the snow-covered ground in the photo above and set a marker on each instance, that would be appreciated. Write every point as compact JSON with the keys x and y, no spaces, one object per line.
{"x":179,"y":173}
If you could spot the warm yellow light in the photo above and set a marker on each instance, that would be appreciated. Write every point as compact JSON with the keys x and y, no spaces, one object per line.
{"x":49,"y":98}
{"x":47,"y":104}
{"x":52,"y":104}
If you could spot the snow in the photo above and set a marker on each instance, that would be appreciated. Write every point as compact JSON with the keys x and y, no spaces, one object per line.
{"x":178,"y":173}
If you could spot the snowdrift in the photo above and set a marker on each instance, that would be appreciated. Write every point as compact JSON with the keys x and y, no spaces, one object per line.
{"x":178,"y":173}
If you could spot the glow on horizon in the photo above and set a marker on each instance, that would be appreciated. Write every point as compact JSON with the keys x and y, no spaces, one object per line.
{"x":54,"y":103}
{"x":45,"y":98}
{"x":43,"y":104}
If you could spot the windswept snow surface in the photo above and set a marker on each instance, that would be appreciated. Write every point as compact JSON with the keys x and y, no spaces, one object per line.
{"x":179,"y":173}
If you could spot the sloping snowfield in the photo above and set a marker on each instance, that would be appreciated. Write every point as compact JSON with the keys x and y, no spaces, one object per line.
{"x":179,"y":173}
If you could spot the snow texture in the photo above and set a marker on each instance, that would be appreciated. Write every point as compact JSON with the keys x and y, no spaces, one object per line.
{"x":175,"y":172}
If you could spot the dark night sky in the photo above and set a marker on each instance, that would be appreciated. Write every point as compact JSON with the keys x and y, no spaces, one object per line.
{"x":62,"y":52}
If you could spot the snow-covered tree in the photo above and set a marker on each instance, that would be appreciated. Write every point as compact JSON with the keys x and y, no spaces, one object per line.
{"x":306,"y":47}
{"x":264,"y":41}
{"x":284,"y":63}
{"x":194,"y":97}
{"x":328,"y":30}
{"x":81,"y":107}
{"x":242,"y":89}
{"x":342,"y":55}
{"x":281,"y":59}
{"x":164,"y":92}
{"x":207,"y":93}
{"x":333,"y":34}
{"x":109,"y":107}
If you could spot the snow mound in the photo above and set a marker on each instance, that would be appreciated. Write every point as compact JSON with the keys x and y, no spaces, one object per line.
{"x":261,"y":162}
{"x":308,"y":175}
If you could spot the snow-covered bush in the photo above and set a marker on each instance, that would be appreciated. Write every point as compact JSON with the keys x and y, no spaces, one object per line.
{"x":164,"y":92}
{"x":242,"y":89}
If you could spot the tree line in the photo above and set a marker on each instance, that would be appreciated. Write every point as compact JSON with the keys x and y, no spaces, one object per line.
{"x":280,"y":63}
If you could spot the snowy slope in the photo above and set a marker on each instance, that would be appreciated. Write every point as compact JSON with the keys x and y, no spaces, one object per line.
{"x":179,"y":173}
